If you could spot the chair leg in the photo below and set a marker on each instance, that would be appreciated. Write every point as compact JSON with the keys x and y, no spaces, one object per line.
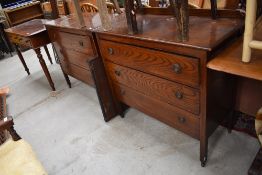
{"x":48,"y":54}
{"x":251,"y":9}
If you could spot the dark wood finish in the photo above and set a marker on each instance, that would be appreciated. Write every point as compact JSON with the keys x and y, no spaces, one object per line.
{"x":256,"y":167}
{"x":55,"y":13}
{"x":131,"y":17}
{"x":25,"y":13}
{"x":48,"y":54}
{"x":31,"y":34}
{"x":214,"y":8}
{"x":105,"y":97}
{"x":44,"y":67}
{"x":79,"y":58}
{"x":221,"y":13}
{"x":20,"y":56}
{"x":181,"y":13}
{"x":150,"y":54}
{"x":6,"y":123}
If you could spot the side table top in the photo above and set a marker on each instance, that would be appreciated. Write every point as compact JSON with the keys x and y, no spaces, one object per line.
{"x":28,"y":28}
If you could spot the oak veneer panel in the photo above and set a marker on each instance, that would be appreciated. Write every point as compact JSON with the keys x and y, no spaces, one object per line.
{"x":153,"y":62}
{"x":76,"y":58}
{"x":155,"y":87}
{"x":164,"y":112}
{"x":78,"y":43}
{"x":77,"y":72}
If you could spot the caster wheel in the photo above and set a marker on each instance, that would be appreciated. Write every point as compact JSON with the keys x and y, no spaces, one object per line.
{"x":203,"y":162}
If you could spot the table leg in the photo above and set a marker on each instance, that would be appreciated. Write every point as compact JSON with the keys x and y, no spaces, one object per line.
{"x":67,"y":79}
{"x":22,"y":59}
{"x":44,"y":67}
{"x":48,"y":54}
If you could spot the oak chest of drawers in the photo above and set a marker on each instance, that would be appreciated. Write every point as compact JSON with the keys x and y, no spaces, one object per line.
{"x":76,"y":50}
{"x":168,"y":80}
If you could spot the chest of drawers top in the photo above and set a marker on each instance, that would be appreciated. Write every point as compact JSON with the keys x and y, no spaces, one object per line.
{"x":159,"y":31}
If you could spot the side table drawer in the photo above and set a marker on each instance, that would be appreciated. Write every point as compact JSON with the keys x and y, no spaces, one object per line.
{"x":166,"y":113}
{"x":19,"y":40}
{"x":164,"y":90}
{"x":170,"y":66}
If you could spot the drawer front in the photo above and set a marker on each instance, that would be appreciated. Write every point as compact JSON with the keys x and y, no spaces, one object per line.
{"x":73,"y":57}
{"x":19,"y":40}
{"x":166,"y":113}
{"x":77,"y":72}
{"x":164,"y":90}
{"x":75,"y":42}
{"x":170,"y":66}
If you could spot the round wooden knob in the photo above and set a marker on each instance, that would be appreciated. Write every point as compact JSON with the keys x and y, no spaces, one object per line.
{"x":177,"y":68}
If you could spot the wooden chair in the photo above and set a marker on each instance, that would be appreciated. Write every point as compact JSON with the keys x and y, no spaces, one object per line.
{"x":250,"y":23}
{"x":110,"y":7}
{"x":88,"y":8}
{"x":16,"y":155}
{"x":256,"y":167}
{"x":221,"y":4}
{"x":258,"y":125}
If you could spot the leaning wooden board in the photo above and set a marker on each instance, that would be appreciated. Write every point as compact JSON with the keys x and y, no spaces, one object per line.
{"x":75,"y":47}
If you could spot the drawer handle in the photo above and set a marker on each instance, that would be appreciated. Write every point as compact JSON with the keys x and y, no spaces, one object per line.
{"x":179,"y":95}
{"x":177,"y":68}
{"x":122,"y":92}
{"x":117,"y":72}
{"x":181,"y":119}
{"x":110,"y":51}
{"x":81,"y":43}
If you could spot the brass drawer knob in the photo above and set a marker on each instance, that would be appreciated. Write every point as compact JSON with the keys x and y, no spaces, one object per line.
{"x":181,"y":119}
{"x":117,"y":72}
{"x":110,"y":51}
{"x":179,"y":95}
{"x":81,"y":43}
{"x":177,"y":68}
{"x":122,"y":92}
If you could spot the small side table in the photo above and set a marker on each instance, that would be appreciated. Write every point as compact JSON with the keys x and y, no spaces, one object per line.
{"x":33,"y":35}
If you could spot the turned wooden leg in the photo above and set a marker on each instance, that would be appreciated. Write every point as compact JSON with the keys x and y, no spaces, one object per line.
{"x":13,"y":133}
{"x":44,"y":67}
{"x":48,"y":54}
{"x":21,"y":59}
{"x":67,"y":79}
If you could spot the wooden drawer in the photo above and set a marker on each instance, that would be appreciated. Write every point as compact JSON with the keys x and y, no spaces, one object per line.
{"x":77,"y":72}
{"x":74,"y":57}
{"x":164,"y":90}
{"x":19,"y":40}
{"x":164,"y":112}
{"x":75,"y":42}
{"x":170,"y":66}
